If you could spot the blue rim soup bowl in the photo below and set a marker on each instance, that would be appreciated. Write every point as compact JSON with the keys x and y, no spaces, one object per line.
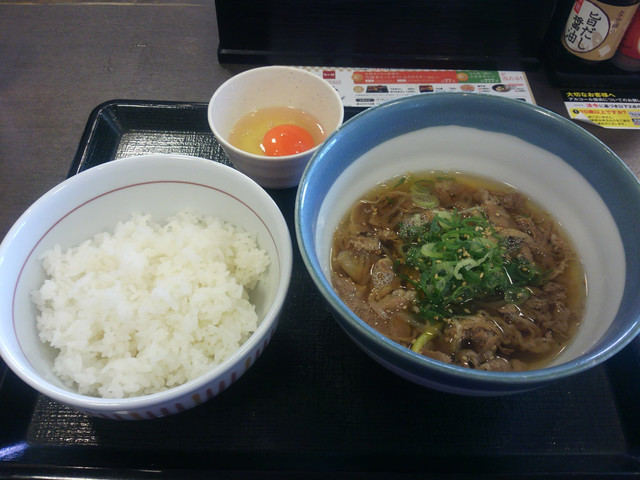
{"x":563,"y":168}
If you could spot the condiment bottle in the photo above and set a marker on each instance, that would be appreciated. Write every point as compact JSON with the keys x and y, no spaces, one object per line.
{"x":595,"y":28}
{"x":628,"y":55}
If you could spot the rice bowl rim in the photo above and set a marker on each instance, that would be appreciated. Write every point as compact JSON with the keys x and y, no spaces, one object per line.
{"x":275,"y":223}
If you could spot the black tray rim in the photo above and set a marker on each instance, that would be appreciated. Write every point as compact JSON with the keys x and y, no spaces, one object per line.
{"x":16,"y":470}
{"x":89,"y":131}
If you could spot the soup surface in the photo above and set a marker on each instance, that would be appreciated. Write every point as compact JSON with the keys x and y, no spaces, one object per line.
{"x":277,"y":131}
{"x":460,"y":269}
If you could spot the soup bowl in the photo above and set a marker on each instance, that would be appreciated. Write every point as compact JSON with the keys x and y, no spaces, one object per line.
{"x":93,"y":202}
{"x":560,"y":166}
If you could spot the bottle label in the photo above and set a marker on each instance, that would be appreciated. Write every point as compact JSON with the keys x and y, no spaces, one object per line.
{"x":594,"y":29}
{"x":630,"y":45}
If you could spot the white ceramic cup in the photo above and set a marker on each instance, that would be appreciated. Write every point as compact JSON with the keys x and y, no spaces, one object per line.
{"x":267,"y":87}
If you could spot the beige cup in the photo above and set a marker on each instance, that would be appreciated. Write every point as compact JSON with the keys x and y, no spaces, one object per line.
{"x":267,"y":87}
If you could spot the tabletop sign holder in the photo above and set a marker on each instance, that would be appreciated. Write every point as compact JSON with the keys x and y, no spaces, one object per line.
{"x":488,"y":34}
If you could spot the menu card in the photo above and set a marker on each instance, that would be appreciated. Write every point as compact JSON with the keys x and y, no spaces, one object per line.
{"x":366,"y":87}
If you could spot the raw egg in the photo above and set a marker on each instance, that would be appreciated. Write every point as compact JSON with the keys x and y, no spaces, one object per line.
{"x":277,"y":131}
{"x":286,"y":140}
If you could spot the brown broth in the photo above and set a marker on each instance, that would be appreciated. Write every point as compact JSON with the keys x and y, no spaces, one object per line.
{"x":560,"y":301}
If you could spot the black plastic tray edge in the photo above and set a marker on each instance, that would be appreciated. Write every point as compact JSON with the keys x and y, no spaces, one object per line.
{"x":86,"y":146}
{"x":15,"y":472}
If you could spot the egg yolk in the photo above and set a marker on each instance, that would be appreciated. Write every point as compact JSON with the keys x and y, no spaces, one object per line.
{"x":286,"y":140}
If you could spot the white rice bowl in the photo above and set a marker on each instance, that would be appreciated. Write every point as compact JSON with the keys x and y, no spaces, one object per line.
{"x":93,"y":202}
{"x":148,"y":306}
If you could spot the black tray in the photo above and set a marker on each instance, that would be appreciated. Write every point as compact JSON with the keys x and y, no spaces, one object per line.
{"x":314,"y":405}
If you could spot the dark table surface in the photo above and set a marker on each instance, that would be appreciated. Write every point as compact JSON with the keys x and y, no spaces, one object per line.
{"x":60,"y":59}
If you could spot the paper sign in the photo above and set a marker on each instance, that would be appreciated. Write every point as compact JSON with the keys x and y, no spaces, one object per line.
{"x":366,"y":87}
{"x":605,"y":108}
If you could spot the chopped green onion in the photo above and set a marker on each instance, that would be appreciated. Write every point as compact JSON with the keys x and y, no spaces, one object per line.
{"x":454,"y":260}
{"x":400,"y":182}
{"x":421,"y":193}
{"x":516,"y":295}
{"x":422,"y":185}
{"x":430,"y":332}
{"x":424,"y":200}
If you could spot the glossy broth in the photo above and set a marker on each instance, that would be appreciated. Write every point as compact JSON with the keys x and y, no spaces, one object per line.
{"x":389,"y":281}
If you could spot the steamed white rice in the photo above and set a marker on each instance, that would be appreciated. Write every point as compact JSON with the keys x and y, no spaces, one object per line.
{"x":149,"y":306}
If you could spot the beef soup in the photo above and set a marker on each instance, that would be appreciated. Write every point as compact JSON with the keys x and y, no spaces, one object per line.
{"x":460,"y":269}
